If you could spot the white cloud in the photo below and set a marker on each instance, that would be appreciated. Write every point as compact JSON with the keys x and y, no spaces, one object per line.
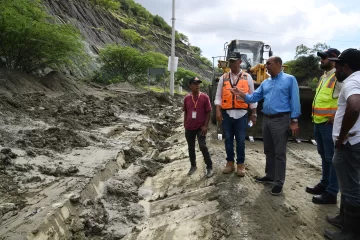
{"x":222,"y":21}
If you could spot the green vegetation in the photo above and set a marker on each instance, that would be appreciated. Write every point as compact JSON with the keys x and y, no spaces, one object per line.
{"x":303,"y":50}
{"x":304,"y":68}
{"x":130,"y":21}
{"x":29,"y":42}
{"x":313,"y":83}
{"x":159,"y":89}
{"x":122,"y":64}
{"x":131,"y":36}
{"x":107,"y":4}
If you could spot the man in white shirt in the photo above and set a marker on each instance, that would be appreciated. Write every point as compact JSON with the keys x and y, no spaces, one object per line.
{"x":232,"y":111}
{"x":346,"y":135}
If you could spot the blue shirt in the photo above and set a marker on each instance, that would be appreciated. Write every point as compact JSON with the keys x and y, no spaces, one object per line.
{"x":280,"y":94}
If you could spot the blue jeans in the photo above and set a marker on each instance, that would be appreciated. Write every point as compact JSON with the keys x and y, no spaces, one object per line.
{"x":325,"y":146}
{"x":234,"y":127}
{"x":347,"y":165}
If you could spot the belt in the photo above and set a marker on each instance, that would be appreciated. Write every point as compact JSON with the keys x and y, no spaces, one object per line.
{"x":276,"y":115}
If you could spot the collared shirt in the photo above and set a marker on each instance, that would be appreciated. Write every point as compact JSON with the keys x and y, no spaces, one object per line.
{"x":234,"y":113}
{"x":201,"y":105}
{"x":338,"y":85}
{"x":280,"y":94}
{"x":351,"y":86}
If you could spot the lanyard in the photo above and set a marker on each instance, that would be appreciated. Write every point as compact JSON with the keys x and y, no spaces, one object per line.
{"x":195,"y":103}
{"x":231,"y":82}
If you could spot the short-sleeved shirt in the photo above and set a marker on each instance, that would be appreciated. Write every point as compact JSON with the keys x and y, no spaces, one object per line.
{"x":351,"y":86}
{"x":202,"y":108}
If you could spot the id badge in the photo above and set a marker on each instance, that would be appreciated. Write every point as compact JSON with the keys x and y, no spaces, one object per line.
{"x":193,"y":115}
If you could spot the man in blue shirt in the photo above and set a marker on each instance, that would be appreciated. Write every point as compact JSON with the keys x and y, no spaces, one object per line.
{"x":281,"y":109}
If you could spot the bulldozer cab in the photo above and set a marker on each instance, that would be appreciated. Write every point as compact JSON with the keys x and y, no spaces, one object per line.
{"x":253,"y":54}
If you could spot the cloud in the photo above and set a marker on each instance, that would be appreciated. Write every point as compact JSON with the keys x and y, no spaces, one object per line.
{"x":282,"y":24}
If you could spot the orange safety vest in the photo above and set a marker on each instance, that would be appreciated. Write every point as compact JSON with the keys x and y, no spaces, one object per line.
{"x":230,"y":101}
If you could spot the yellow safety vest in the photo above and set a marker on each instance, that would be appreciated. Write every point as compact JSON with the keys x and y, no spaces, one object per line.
{"x":324,"y":104}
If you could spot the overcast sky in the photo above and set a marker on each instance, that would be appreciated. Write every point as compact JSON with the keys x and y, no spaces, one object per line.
{"x":283,"y":24}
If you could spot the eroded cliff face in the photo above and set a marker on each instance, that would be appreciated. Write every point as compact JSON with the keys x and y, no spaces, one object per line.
{"x":100,"y":27}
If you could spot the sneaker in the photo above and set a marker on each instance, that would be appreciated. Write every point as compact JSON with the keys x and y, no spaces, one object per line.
{"x":209,"y":173}
{"x":192,"y":170}
{"x":263,"y":180}
{"x":276,"y":191}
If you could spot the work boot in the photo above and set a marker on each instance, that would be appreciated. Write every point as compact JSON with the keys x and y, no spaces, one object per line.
{"x":241,"y":170}
{"x":338,"y":220}
{"x":350,"y":230}
{"x":229,"y":168}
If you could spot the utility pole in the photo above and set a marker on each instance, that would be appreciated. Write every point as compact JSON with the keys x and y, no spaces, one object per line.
{"x":172,"y":70}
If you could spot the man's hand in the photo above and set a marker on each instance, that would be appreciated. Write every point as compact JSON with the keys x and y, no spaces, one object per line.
{"x":204,"y":130}
{"x":331,"y":120}
{"x":339,"y":141}
{"x":294,"y":126}
{"x":237,"y":92}
{"x":219,"y":117}
{"x":253,"y":118}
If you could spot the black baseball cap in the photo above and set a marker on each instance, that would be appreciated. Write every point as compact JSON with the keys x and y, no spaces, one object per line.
{"x":194,"y":80}
{"x":350,"y":55}
{"x":331,"y":52}
{"x":234,"y":56}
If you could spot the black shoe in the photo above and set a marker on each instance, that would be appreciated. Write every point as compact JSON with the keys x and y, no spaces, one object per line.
{"x":209,"y":173}
{"x":336,"y":221}
{"x":276,"y":191}
{"x":325,"y":198}
{"x":192,"y":170}
{"x":263,"y":180}
{"x":316,"y":190}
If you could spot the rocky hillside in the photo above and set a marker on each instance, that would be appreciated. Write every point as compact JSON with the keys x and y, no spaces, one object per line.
{"x":100,"y":27}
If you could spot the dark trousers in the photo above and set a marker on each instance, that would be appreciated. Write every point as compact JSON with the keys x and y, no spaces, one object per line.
{"x":347,"y":165}
{"x":191,"y":136}
{"x":234,"y":128}
{"x":275,"y":134}
{"x":325,"y":146}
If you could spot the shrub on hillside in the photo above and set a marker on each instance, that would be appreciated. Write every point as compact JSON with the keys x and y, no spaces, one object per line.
{"x":29,"y":42}
{"x":131,"y":36}
{"x":108,"y":4}
{"x":123,"y":63}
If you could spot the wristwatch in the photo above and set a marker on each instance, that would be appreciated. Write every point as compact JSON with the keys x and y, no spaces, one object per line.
{"x":294,"y":120}
{"x":254,"y":114}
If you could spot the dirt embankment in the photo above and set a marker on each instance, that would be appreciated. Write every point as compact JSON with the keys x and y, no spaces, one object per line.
{"x":74,"y":155}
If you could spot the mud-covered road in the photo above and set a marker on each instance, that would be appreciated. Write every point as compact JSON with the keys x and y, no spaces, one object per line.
{"x":79,"y":161}
{"x":229,"y":207}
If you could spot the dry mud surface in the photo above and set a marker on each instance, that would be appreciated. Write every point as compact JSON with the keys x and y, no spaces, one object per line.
{"x":111,"y":164}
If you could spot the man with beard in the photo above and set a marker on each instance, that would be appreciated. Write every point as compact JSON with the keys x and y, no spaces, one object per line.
{"x":323,"y":112}
{"x":346,"y":135}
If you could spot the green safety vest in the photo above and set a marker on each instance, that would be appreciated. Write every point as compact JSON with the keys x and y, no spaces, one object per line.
{"x":324,"y":104}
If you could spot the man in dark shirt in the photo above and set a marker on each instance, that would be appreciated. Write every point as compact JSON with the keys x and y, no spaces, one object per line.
{"x":197,"y":111}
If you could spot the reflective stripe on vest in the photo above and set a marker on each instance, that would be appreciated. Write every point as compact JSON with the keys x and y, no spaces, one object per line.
{"x":324,"y":105}
{"x":228,"y":100}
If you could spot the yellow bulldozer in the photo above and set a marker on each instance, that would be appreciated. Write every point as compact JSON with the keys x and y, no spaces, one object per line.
{"x":254,"y":55}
